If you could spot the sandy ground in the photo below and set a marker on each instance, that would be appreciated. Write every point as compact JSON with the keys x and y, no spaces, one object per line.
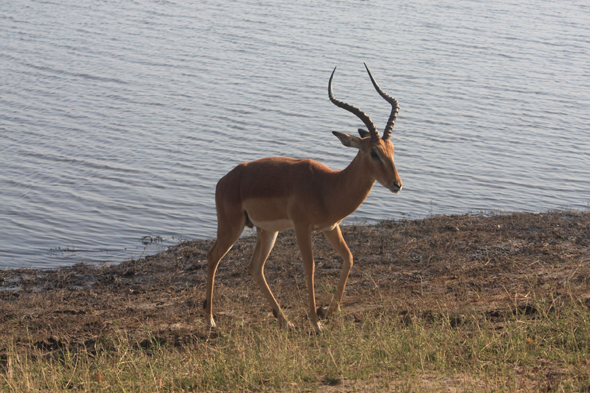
{"x":494,"y":264}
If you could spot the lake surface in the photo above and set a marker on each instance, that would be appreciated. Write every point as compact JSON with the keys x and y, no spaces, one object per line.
{"x":118,"y":118}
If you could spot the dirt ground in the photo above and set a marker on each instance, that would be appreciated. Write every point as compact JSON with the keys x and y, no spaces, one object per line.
{"x":491,"y":263}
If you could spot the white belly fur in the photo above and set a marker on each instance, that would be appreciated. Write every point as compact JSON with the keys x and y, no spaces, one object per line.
{"x":281,"y":225}
{"x":320,"y":228}
{"x":273,"y":226}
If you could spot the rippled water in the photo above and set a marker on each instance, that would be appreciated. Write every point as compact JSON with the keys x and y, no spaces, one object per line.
{"x":117,"y":118}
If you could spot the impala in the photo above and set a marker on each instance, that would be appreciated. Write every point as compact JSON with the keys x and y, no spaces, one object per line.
{"x":277,"y":193}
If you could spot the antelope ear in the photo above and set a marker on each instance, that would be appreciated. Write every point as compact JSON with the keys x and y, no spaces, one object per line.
{"x":348,"y":140}
{"x":364,"y":133}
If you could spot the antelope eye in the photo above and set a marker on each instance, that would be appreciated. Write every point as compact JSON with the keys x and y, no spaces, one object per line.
{"x":375,"y":156}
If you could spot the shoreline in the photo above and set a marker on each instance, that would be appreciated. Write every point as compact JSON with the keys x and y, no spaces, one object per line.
{"x":207,"y":242}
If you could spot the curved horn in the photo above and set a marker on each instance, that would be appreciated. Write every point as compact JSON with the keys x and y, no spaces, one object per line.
{"x":353,"y":109}
{"x":394,"y":104}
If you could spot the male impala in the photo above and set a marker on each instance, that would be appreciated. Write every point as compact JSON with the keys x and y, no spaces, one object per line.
{"x":278,"y":193}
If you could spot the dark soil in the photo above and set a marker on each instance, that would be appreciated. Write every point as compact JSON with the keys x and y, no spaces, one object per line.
{"x":494,"y":264}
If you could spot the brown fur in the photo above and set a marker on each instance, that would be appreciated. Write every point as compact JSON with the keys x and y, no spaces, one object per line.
{"x":277,"y":193}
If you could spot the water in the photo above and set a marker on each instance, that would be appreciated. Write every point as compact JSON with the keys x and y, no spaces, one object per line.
{"x":118,"y":118}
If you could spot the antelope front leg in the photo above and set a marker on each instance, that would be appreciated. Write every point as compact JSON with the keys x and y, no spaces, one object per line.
{"x":337,"y":241}
{"x":304,"y":240}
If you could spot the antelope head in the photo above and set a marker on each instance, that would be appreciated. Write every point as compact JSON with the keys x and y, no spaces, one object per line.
{"x":375,"y":152}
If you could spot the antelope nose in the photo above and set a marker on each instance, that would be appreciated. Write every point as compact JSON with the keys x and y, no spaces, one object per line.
{"x":395,"y":187}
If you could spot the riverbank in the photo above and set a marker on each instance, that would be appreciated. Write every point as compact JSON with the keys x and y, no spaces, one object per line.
{"x":460,"y":269}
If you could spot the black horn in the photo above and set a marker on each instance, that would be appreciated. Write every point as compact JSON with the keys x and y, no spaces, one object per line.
{"x":394,"y":106}
{"x":353,"y":109}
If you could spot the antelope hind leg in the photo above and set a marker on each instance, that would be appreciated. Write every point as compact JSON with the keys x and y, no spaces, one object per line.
{"x":227,"y":235}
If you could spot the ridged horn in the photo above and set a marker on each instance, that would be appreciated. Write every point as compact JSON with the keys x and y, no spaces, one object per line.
{"x":353,"y":109}
{"x":394,"y":106}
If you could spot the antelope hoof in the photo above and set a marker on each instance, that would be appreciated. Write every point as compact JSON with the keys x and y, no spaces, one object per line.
{"x":319,"y":329}
{"x":212,"y":323}
{"x":287,"y":325}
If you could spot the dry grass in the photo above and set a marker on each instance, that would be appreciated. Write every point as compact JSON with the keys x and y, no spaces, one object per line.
{"x":460,"y":303}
